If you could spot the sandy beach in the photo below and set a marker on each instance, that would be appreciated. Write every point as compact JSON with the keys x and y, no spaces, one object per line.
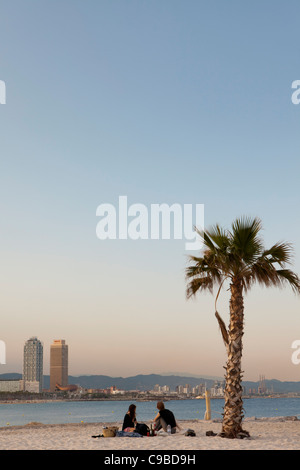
{"x":266,"y":434}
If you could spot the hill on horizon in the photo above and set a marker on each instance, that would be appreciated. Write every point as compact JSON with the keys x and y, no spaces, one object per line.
{"x":147,"y":382}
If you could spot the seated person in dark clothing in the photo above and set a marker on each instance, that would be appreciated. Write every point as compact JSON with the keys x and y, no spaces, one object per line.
{"x":164,"y":418}
{"x":130,"y":422}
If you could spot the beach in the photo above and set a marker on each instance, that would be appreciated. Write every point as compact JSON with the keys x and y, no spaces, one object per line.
{"x":265,"y":434}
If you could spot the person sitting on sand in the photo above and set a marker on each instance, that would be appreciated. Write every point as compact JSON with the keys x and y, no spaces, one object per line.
{"x":164,"y":418}
{"x":130,"y":422}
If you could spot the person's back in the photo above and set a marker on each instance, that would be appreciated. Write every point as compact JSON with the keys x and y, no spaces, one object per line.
{"x":165,"y":418}
{"x":168,"y":417}
{"x":129,"y":422}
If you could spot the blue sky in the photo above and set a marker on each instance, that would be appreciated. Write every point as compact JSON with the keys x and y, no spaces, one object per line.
{"x":162,"y":101}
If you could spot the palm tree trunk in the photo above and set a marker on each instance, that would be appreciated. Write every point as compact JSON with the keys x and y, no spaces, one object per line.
{"x":233,"y":408}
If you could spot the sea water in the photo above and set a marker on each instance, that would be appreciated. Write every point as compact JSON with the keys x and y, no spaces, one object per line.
{"x":12,"y":414}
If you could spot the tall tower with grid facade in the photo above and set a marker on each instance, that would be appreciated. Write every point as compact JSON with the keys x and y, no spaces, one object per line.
{"x":33,"y":365}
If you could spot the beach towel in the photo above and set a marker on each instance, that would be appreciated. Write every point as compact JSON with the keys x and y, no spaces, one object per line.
{"x":127,"y":434}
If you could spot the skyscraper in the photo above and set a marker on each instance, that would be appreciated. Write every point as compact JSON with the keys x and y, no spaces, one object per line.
{"x":33,"y":365}
{"x":58,"y":364}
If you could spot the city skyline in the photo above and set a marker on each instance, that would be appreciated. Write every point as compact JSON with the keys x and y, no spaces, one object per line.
{"x":63,"y":359}
{"x":161,"y":103}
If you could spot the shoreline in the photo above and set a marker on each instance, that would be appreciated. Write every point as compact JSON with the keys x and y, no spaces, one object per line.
{"x":278,"y":433}
{"x":155,"y":398}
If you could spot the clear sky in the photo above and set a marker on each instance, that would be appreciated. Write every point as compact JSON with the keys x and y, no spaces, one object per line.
{"x":164,"y":101}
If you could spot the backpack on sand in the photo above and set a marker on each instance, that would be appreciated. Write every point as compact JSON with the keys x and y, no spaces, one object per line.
{"x":142,"y":429}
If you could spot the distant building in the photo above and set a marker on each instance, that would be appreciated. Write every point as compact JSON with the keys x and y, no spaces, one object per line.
{"x":115,"y":391}
{"x":217,"y":389}
{"x":32,"y":386}
{"x":160,"y":390}
{"x":33,"y":365}
{"x":198,"y":390}
{"x":14,"y":385}
{"x":58,"y":364}
{"x":183,"y":389}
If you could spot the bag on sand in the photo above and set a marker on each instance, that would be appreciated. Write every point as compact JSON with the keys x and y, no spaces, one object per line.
{"x":190,"y":432}
{"x":142,"y":429}
{"x":110,"y":431}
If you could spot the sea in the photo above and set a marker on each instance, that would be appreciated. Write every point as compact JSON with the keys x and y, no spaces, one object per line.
{"x":61,"y":412}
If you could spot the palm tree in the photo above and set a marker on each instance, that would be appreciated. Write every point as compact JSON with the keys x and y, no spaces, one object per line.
{"x":237,"y":256}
